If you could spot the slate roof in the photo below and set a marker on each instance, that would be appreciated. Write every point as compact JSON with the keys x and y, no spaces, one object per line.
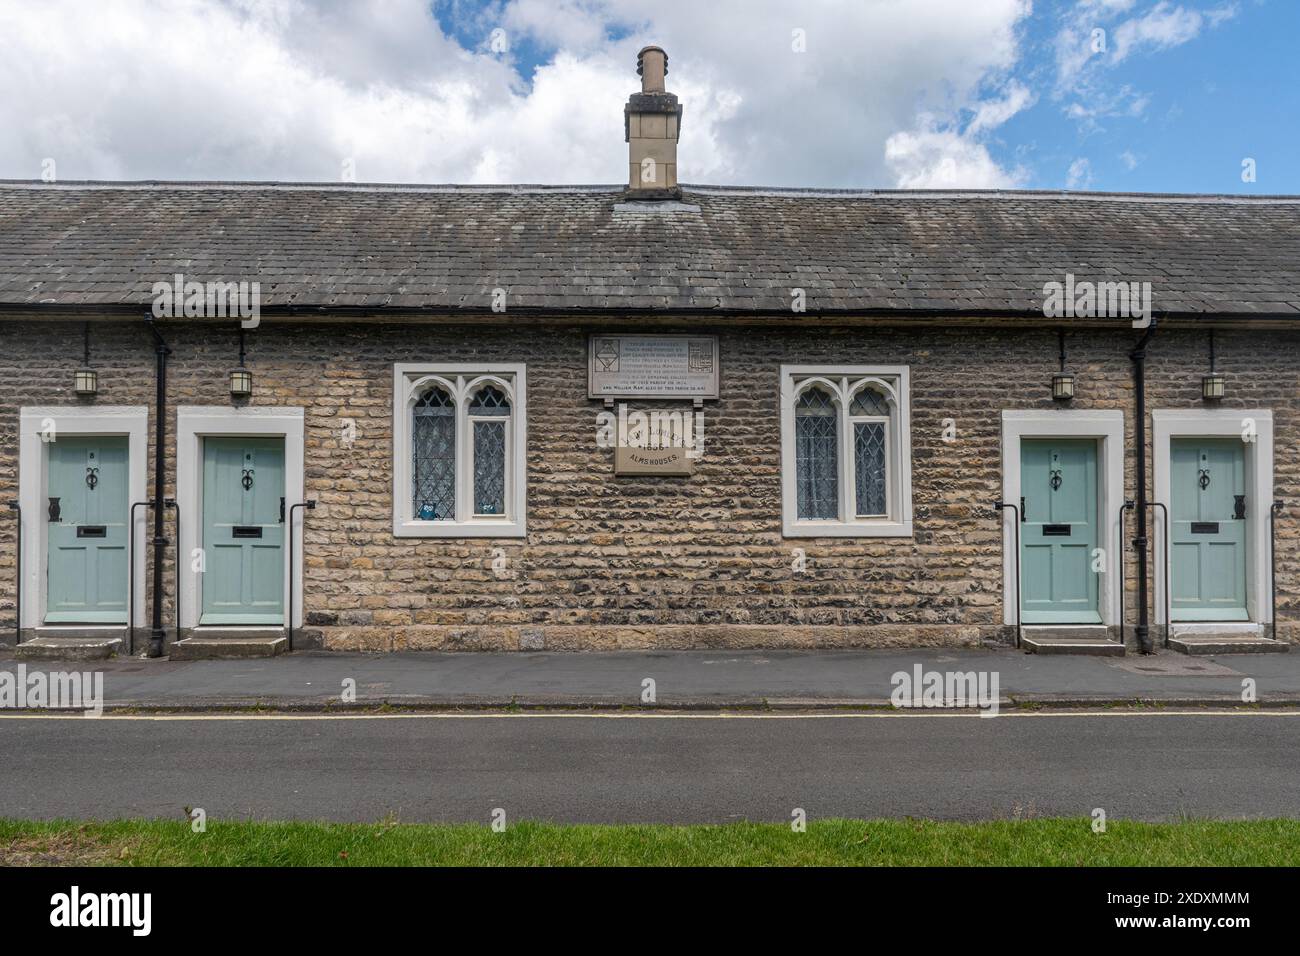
{"x":397,"y":248}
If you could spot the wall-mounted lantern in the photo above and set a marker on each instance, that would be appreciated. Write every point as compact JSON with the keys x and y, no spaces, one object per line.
{"x":1062,"y":383}
{"x":1212,"y":385}
{"x":85,"y":381}
{"x":241,"y":382}
{"x":241,"y":379}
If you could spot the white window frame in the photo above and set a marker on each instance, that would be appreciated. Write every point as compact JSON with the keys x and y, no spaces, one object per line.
{"x":842,"y":382}
{"x":471,"y":437}
{"x":461,"y":380}
{"x":851,"y":447}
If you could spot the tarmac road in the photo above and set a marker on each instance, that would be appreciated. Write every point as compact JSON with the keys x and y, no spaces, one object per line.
{"x":669,"y":768}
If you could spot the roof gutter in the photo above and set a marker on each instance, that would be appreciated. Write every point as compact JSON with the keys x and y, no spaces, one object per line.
{"x":132,"y":310}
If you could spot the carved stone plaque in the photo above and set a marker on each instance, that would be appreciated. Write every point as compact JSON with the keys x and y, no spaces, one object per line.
{"x":652,"y":366}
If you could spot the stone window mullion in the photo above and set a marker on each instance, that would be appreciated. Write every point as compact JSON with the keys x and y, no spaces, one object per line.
{"x":846,"y":455}
{"x":464,"y":453}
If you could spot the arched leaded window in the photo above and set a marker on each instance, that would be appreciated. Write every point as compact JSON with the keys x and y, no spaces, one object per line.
{"x":460,"y":432}
{"x":869,"y":428}
{"x":433,"y":456}
{"x":817,"y":454}
{"x":489,"y":417}
{"x":846,"y":460}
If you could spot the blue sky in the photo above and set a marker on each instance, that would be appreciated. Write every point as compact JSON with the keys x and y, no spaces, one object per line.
{"x":1231,"y":92}
{"x":830,"y":93}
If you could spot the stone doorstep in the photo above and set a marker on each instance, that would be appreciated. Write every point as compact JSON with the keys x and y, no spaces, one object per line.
{"x":1225,"y":643}
{"x":1092,"y":640}
{"x":80,"y":647}
{"x":206,"y":644}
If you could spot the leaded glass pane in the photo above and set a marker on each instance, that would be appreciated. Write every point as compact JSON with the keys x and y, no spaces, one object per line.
{"x":490,"y":401}
{"x":869,"y":467}
{"x":816,"y":458}
{"x":433,"y":450}
{"x":490,"y":467}
{"x":868,"y":402}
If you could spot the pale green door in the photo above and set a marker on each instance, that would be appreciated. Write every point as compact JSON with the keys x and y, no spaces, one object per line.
{"x":243,"y":531}
{"x":1207,"y":484}
{"x":1059,"y":532}
{"x":86,"y":581}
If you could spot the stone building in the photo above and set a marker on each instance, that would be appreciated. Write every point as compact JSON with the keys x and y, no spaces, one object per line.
{"x":854,"y":382}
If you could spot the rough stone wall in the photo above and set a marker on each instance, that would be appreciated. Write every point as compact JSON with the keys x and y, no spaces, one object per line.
{"x":643,"y":562}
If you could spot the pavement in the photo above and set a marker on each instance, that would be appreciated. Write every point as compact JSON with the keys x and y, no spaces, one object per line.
{"x":655,"y":766}
{"x":819,"y":679}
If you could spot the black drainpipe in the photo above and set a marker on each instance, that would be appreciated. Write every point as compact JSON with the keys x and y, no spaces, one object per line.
{"x":156,"y":634}
{"x":1139,"y":357}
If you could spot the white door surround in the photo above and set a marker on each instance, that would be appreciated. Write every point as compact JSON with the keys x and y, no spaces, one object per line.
{"x":1167,"y":424}
{"x":1107,"y":427}
{"x":37,"y":427}
{"x":193,"y":424}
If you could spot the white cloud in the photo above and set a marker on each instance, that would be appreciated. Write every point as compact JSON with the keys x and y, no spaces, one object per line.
{"x":1090,"y":39}
{"x":289,"y":89}
{"x":1129,"y":159}
{"x":575,"y":25}
{"x":993,"y":113}
{"x":1122,"y":102}
{"x":945,"y":160}
{"x":1079,"y":175}
{"x":1107,"y":6}
{"x":933,"y":156}
{"x":1160,"y":28}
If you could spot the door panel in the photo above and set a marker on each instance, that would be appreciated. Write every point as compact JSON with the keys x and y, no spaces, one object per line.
{"x":86,"y":580}
{"x":1208,"y":545}
{"x":243,"y":533}
{"x":1058,"y":478}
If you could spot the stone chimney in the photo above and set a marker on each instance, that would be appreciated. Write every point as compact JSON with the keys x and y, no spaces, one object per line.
{"x":652,"y":120}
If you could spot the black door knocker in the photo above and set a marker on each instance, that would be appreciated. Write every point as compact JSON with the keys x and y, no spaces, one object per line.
{"x":92,"y":477}
{"x":1056,"y":478}
{"x":1204,"y":480}
{"x":247,"y":480}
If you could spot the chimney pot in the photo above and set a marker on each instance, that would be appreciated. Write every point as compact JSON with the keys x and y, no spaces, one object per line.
{"x":652,"y":67}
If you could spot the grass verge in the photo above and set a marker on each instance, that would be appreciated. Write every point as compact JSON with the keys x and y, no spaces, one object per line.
{"x":1035,"y":842}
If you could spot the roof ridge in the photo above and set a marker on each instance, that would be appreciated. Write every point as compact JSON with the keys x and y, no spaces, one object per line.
{"x":697,"y":189}
{"x":239,"y":186}
{"x":795,"y":191}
